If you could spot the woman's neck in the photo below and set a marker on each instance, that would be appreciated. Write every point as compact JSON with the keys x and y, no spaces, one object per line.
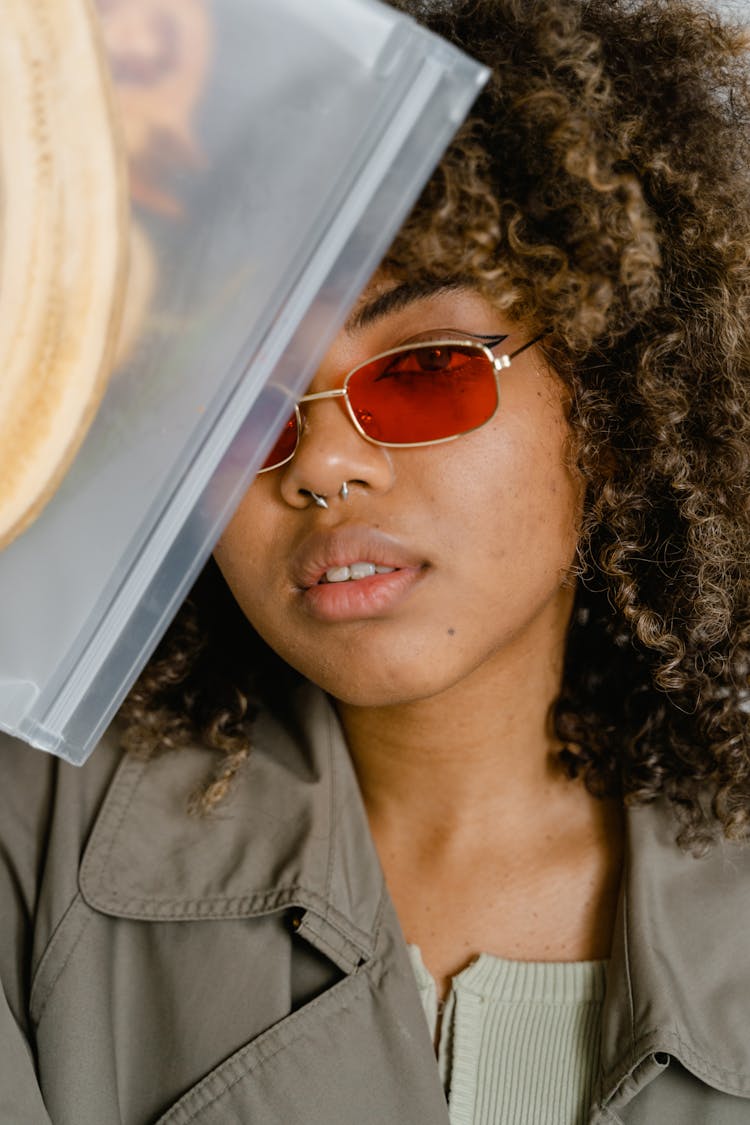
{"x":480,"y":753}
{"x":469,"y":806}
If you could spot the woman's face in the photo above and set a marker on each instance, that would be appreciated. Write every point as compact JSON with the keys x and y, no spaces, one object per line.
{"x":480,"y":531}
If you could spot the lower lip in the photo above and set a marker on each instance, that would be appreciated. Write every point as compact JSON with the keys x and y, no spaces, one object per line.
{"x":361,"y":598}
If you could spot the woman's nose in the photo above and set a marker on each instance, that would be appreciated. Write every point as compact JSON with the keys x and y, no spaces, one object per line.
{"x":331,"y":452}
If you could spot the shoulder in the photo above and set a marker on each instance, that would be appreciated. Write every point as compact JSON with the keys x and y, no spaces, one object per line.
{"x":667,"y":879}
{"x":47,"y":808}
{"x":685,"y":912}
{"x":35,"y":783}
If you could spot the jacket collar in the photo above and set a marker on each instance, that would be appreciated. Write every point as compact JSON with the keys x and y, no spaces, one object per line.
{"x":294,"y":833}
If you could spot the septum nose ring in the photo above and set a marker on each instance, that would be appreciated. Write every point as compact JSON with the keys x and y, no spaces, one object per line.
{"x":322,"y":501}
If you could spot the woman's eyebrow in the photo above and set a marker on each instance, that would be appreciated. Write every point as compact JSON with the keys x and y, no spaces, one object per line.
{"x":397,"y":298}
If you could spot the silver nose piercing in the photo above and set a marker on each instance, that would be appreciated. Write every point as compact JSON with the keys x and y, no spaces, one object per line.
{"x":319,"y":500}
{"x":344,"y":491}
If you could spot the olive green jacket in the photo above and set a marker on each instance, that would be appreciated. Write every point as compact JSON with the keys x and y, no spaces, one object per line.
{"x":249,"y":968}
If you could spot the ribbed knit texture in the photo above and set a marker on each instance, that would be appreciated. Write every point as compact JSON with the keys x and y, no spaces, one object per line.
{"x":519,"y":1040}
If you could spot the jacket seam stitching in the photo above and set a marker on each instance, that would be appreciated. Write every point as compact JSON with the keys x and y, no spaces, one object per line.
{"x":134,"y":908}
{"x":710,"y":1067}
{"x":37,"y":1010}
{"x":334,"y":953}
{"x":653,"y":1034}
{"x":147,"y":907}
{"x":51,"y":940}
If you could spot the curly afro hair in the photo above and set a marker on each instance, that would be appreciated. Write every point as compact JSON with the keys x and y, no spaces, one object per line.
{"x":599,"y":191}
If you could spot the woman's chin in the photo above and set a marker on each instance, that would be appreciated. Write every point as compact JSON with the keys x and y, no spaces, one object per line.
{"x":393,"y":688}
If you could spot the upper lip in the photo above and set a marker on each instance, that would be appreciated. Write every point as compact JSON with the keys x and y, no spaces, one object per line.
{"x":343,"y":546}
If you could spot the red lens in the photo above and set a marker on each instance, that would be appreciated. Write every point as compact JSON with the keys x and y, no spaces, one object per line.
{"x":424,"y":393}
{"x":284,"y":447}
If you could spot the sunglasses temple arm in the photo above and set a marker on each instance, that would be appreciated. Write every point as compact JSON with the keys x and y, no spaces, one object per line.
{"x":528,"y":344}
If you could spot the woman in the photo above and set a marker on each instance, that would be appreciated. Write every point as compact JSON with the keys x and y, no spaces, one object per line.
{"x":500,"y":855}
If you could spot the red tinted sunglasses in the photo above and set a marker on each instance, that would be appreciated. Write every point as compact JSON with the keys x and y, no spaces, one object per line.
{"x":418,"y":394}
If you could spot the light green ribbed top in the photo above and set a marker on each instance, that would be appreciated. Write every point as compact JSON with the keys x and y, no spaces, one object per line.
{"x":519,"y":1040}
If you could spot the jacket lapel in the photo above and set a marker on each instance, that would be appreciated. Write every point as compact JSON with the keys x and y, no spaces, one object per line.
{"x":359,"y":1053}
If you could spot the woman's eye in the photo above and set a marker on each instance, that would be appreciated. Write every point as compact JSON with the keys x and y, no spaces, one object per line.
{"x":434,"y":359}
{"x":425,"y":360}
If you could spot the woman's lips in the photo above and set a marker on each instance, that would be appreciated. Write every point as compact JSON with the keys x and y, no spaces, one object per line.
{"x":364,"y":597}
{"x":347,"y":546}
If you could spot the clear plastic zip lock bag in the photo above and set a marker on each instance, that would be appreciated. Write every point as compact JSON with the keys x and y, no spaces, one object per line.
{"x":270,"y":151}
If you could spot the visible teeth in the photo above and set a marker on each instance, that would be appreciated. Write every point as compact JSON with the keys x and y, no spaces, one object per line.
{"x":338,"y":574}
{"x":362,"y":570}
{"x":355,"y":571}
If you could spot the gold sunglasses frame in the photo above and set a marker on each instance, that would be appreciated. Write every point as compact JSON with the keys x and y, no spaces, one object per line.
{"x":498,"y":363}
